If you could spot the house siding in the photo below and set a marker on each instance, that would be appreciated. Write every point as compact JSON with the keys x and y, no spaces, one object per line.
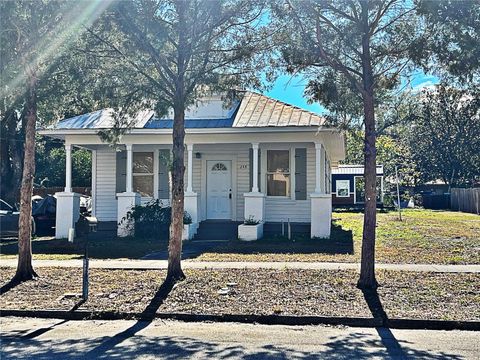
{"x":106,"y":201}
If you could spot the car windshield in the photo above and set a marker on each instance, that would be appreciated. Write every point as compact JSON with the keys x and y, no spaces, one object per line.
{"x":4,"y":206}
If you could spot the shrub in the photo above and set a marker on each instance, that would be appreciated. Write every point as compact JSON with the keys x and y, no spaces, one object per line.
{"x":251,"y":221}
{"x":153,"y":218}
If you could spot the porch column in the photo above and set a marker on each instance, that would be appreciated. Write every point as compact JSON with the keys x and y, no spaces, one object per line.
{"x":68,"y":168}
{"x":255,"y":168}
{"x":189,"y":167}
{"x":68,"y":203}
{"x":129,"y":168}
{"x":190,"y":198}
{"x":128,"y":199}
{"x":255,"y":200}
{"x":321,"y":203}
{"x":318,"y":165}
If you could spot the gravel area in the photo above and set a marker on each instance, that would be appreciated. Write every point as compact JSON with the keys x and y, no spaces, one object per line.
{"x":234,"y":291}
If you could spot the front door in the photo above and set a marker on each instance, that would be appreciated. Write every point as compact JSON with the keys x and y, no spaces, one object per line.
{"x":219,"y":189}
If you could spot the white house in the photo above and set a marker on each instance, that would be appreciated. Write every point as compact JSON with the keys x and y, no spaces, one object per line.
{"x":259,"y":158}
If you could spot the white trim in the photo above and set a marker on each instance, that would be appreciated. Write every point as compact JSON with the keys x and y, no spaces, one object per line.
{"x":288,"y":129}
{"x":94,"y":181}
{"x":203,"y":193}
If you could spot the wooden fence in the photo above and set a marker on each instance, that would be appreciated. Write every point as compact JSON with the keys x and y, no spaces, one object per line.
{"x":466,"y":200}
{"x":52,"y":190}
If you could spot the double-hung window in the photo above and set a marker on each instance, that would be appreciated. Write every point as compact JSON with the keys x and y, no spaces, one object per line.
{"x":278,"y":173}
{"x":143,"y":173}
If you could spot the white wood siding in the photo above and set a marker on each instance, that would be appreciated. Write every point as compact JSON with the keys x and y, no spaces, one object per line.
{"x":105,"y":201}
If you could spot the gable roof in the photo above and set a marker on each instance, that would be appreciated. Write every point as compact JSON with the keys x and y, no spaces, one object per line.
{"x":253,"y":110}
{"x":257,"y":110}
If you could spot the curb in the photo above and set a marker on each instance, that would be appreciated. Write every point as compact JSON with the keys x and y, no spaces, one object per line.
{"x":412,"y":324}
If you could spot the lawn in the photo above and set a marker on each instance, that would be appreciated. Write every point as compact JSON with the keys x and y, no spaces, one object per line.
{"x":263,"y":292}
{"x":424,"y":236}
{"x":48,"y":248}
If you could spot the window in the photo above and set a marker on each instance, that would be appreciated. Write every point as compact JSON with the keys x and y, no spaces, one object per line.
{"x":278,"y":172}
{"x":143,"y":173}
{"x":343,"y":188}
{"x":219,"y":167}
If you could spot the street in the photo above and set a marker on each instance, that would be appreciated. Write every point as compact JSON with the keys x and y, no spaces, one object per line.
{"x":23,"y":338}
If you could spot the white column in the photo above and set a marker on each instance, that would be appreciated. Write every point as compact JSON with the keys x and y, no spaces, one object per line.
{"x":255,"y":168}
{"x":68,"y":168}
{"x":318,"y":164}
{"x":156,"y":164}
{"x":129,"y":187}
{"x":189,"y":168}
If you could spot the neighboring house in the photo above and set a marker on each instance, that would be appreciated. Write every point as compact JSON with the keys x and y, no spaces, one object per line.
{"x":259,"y":158}
{"x":348,"y":185}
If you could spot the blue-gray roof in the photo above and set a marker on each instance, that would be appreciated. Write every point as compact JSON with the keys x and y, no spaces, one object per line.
{"x":155,"y":123}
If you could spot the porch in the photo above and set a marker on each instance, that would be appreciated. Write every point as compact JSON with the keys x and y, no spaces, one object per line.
{"x":272,"y":182}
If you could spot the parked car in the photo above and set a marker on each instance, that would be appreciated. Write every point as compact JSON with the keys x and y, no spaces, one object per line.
{"x":9,"y":220}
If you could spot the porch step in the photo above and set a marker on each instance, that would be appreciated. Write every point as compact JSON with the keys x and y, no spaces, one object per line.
{"x":217,"y":230}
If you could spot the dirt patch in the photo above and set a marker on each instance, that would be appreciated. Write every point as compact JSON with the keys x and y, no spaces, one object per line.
{"x":261,"y":292}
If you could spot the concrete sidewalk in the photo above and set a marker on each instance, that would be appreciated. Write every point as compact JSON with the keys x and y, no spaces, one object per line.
{"x":189,"y":264}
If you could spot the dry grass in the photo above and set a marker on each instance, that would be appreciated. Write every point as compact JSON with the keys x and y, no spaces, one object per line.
{"x":287,"y":292}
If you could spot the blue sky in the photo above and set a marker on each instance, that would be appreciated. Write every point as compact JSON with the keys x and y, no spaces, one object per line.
{"x":290,"y":89}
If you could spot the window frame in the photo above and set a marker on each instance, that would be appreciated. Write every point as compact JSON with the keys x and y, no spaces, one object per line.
{"x":145,"y":174}
{"x":266,"y":173}
{"x":348,"y":188}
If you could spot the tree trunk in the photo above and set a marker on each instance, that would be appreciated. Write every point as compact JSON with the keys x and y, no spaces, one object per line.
{"x":25,"y":268}
{"x":175,"y":272}
{"x":367,"y":270}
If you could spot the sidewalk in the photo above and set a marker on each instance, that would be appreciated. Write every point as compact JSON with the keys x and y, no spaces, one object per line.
{"x":189,"y":264}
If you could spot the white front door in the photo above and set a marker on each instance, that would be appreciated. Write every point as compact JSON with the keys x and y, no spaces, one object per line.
{"x":219,"y":189}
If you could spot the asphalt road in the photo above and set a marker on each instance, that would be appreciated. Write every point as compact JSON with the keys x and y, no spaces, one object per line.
{"x":124,"y":339}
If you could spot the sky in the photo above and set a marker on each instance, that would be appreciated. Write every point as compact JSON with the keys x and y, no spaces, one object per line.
{"x":289,"y":89}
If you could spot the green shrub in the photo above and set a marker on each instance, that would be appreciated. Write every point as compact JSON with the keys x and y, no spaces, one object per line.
{"x":151,"y":219}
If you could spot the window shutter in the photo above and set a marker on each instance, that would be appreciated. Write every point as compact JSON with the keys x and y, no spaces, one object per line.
{"x":301,"y":174}
{"x":250,"y":169}
{"x":121,"y":174}
{"x":163,"y":178}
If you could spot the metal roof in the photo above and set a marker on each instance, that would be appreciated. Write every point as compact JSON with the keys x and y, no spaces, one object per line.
{"x":156,"y":123}
{"x":354,"y":170}
{"x":253,"y":110}
{"x":101,"y":119}
{"x":257,"y":110}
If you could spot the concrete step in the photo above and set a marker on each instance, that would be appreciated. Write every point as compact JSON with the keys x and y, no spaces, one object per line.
{"x":217,"y":230}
